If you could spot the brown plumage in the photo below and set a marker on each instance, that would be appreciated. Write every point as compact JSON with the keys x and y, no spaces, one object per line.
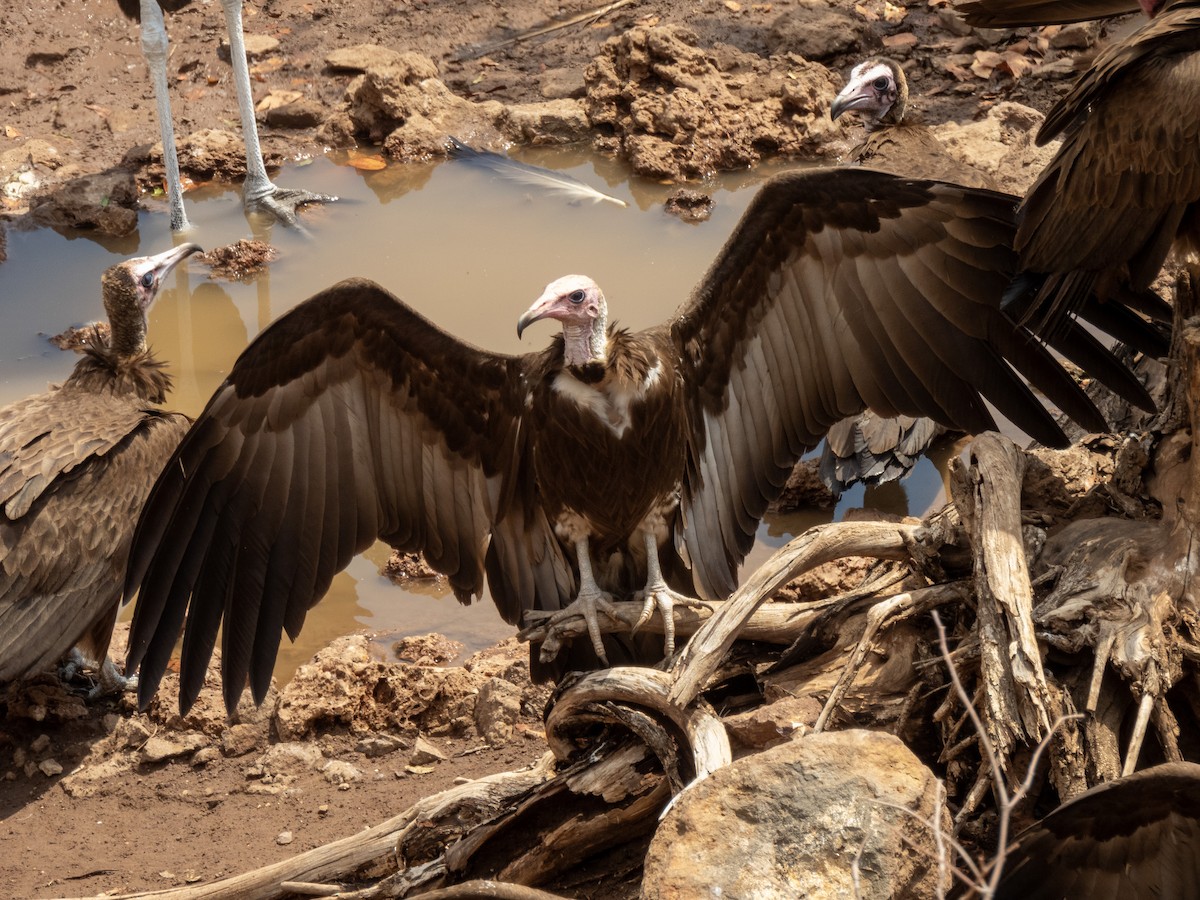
{"x":1124,"y":187}
{"x":1132,"y":838}
{"x":610,"y":460}
{"x":870,"y":448}
{"x":76,"y":465}
{"x":1019,"y":13}
{"x":896,"y":141}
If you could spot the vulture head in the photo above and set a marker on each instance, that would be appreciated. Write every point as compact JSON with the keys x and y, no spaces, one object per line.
{"x":130,"y":288}
{"x":577,"y":302}
{"x":878,"y":89}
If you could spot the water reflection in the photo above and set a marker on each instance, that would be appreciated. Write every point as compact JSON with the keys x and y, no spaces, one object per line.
{"x":467,"y":251}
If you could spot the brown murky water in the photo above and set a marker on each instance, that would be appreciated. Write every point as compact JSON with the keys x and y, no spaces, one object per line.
{"x":468,"y":251}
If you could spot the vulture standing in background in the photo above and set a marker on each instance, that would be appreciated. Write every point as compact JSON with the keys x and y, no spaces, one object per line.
{"x":1124,"y":187}
{"x":609,"y":463}
{"x":76,"y":465}
{"x":258,"y":192}
{"x":878,"y":92}
{"x":1128,"y":839}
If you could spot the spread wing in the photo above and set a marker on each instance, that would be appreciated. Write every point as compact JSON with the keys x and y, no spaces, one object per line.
{"x":1017,"y":13}
{"x":842,"y":289}
{"x":1133,"y":837}
{"x":350,"y":418}
{"x":1114,"y":196}
{"x":75,"y":469}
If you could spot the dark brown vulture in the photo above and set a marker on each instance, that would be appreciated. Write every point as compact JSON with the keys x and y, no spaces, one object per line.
{"x":609,"y":462}
{"x":1129,"y":839}
{"x":1124,"y":187}
{"x":258,"y":192}
{"x":896,"y":142}
{"x":1019,"y":13}
{"x":76,"y":465}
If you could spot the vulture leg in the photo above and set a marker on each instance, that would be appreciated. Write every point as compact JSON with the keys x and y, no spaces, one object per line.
{"x":590,"y":599}
{"x":154,"y":47}
{"x":109,"y":681}
{"x":657,"y":594}
{"x":112,"y":681}
{"x":258,"y":193}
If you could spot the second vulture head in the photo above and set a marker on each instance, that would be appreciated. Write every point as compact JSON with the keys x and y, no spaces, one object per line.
{"x":878,"y":90}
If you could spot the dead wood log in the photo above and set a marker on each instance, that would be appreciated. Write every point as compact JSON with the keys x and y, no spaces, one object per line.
{"x":695,"y":663}
{"x":1018,"y":703}
{"x":477,"y":800}
{"x":885,"y":613}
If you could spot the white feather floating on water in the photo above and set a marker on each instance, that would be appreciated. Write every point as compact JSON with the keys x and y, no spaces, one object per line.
{"x":534,"y":176}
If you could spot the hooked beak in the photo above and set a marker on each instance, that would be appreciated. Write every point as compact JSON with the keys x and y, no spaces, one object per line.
{"x":847,"y":100}
{"x":164,"y":262}
{"x":528,"y":318}
{"x":542,"y":307}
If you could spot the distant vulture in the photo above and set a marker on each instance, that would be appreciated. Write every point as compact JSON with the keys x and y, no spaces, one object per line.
{"x":76,"y":465}
{"x":1018,"y":13}
{"x":258,"y":192}
{"x":1124,"y":188}
{"x":878,"y":91}
{"x":1132,"y":838}
{"x":610,"y":461}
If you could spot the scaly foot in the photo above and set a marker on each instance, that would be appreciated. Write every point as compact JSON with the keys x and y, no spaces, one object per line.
{"x":283,"y":203}
{"x":658,"y":596}
{"x":588,"y":604}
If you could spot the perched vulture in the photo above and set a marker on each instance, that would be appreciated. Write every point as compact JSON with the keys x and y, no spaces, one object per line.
{"x":1132,"y":838}
{"x":76,"y":465}
{"x":1124,"y":187}
{"x":258,"y":191}
{"x":610,"y":462}
{"x":878,"y":91}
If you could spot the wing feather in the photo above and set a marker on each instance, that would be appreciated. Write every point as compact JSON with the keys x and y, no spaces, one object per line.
{"x":350,"y":418}
{"x":881,"y":292}
{"x":1113,"y":198}
{"x":1020,"y":13}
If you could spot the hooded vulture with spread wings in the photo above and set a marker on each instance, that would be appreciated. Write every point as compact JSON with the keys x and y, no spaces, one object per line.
{"x":608,"y":464}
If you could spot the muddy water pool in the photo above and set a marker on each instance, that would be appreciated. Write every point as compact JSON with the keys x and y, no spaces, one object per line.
{"x":467,"y":250}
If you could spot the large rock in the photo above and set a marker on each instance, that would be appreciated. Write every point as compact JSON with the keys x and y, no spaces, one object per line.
{"x":795,"y":820}
{"x":106,"y":203}
{"x":677,"y":110}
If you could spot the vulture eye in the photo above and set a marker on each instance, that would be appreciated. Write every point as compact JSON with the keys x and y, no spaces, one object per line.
{"x":575,"y":296}
{"x":880,"y":83}
{"x":148,"y":279}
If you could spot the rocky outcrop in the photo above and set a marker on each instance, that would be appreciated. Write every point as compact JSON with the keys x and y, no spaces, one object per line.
{"x":832,"y":815}
{"x":676,"y":110}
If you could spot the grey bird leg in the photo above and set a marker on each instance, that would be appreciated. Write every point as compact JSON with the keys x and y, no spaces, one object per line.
{"x":109,"y":680}
{"x":154,"y":46}
{"x":258,"y":192}
{"x":658,"y":595}
{"x":589,"y":600}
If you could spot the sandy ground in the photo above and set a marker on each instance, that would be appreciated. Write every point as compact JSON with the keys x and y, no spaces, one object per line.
{"x":74,"y":76}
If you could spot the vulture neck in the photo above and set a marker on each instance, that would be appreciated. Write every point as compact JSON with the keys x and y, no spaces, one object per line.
{"x":583,"y":344}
